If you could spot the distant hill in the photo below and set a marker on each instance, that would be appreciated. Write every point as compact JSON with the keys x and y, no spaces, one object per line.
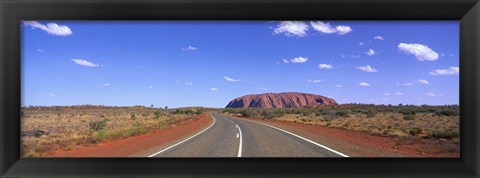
{"x":280,"y":100}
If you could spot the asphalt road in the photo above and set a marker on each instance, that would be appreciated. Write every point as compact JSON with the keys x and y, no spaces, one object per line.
{"x":234,"y":137}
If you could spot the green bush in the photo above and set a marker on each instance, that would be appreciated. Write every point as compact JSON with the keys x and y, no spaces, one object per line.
{"x":444,"y":133}
{"x":100,"y":135}
{"x":98,"y":125}
{"x":408,"y":117}
{"x":342,"y":113}
{"x":371,"y":113}
{"x":447,"y":112}
{"x":157,"y":114}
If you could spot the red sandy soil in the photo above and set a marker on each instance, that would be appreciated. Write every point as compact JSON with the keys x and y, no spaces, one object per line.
{"x":362,"y":144}
{"x":140,"y":145}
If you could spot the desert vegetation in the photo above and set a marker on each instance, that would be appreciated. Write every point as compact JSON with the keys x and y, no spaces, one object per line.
{"x":67,"y":127}
{"x":399,"y":121}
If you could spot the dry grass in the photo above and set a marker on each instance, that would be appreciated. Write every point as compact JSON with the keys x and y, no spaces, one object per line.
{"x":424,"y":125}
{"x":67,"y":127}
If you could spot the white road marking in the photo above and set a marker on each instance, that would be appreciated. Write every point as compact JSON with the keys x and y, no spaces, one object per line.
{"x":240,"y":145}
{"x":185,"y":139}
{"x":298,"y":136}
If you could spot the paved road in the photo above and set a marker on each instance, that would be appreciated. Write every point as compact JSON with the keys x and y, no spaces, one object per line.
{"x":234,"y":137}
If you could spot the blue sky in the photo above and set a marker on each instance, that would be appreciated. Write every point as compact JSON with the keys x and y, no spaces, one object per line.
{"x":209,"y":63}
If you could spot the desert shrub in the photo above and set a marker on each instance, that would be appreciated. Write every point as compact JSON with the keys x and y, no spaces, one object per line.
{"x":393,"y":117}
{"x":444,"y":133}
{"x":98,"y":125}
{"x":69,"y":147}
{"x":396,"y":133}
{"x":305,"y":113}
{"x":133,"y":116}
{"x":229,"y":110}
{"x":376,"y":131}
{"x":415,"y":131}
{"x":408,"y":112}
{"x":408,"y":117}
{"x":447,"y":112}
{"x":342,"y":113}
{"x":135,"y":131}
{"x":249,"y":112}
{"x":100,"y":135}
{"x":329,"y":117}
{"x":371,"y":113}
{"x":156,"y":114}
{"x":268,"y":114}
{"x":189,"y":111}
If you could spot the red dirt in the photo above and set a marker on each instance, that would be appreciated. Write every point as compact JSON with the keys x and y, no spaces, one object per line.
{"x":140,"y":145}
{"x":362,"y":144}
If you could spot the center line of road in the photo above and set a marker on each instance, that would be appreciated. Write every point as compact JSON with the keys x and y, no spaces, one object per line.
{"x":240,"y":145}
{"x":298,"y":136}
{"x":185,"y":139}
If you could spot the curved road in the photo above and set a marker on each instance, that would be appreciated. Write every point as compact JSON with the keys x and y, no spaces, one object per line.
{"x":234,"y":137}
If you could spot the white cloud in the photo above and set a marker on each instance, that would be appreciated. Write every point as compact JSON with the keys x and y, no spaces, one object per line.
{"x":150,"y":87}
{"x":387,"y":94}
{"x":361,"y":44}
{"x":338,"y":86}
{"x":314,"y":81}
{"x":297,"y":60}
{"x":421,"y":52}
{"x":214,"y":89}
{"x":231,"y":79}
{"x":51,"y":94}
{"x":342,"y":29}
{"x":378,"y":38}
{"x":106,"y":84}
{"x":40,"y":50}
{"x":370,"y":52}
{"x":262,"y":88}
{"x":328,"y":29}
{"x":285,"y":61}
{"x":325,"y":66}
{"x":366,"y":68}
{"x":408,"y":84}
{"x":423,"y":81}
{"x":188,"y":83}
{"x":430,"y":94}
{"x":364,"y":84}
{"x":50,"y":28}
{"x":84,"y":62}
{"x":292,"y":28}
{"x":449,"y":71}
{"x":343,"y":55}
{"x":189,"y":48}
{"x":354,"y":56}
{"x":398,"y":93}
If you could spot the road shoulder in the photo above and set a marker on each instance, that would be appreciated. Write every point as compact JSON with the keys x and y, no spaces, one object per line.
{"x":141,"y":145}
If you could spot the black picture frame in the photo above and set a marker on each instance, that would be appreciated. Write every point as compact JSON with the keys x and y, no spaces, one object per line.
{"x":13,"y":11}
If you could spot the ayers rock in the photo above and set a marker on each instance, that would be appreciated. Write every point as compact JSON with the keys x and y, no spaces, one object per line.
{"x":280,"y":100}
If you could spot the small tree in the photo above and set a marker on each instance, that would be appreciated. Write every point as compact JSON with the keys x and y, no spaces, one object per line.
{"x":166,"y":107}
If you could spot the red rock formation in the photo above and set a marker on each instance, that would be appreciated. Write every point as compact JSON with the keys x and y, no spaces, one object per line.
{"x":280,"y":100}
